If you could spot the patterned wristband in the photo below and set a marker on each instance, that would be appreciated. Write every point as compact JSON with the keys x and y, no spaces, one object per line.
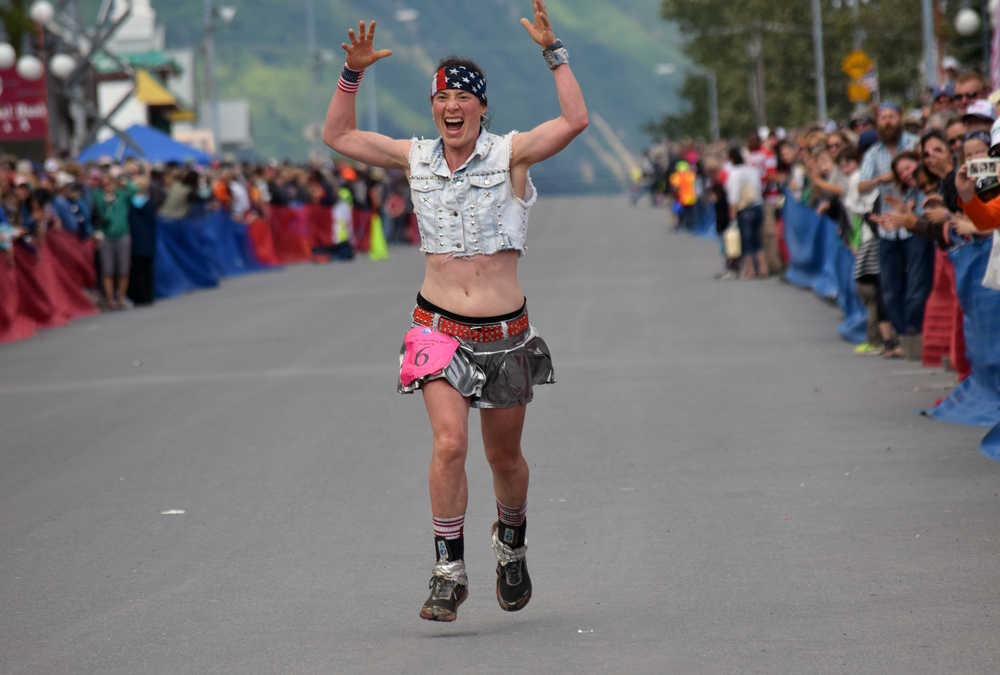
{"x":555,"y":55}
{"x":350,"y":80}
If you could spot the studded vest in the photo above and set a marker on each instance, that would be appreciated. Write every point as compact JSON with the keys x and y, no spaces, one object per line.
{"x":473,"y":210}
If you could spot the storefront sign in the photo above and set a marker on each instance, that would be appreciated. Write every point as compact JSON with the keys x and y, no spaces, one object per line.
{"x":24,"y":111}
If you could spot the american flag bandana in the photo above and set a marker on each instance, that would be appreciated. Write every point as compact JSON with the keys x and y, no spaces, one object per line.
{"x":460,"y":77}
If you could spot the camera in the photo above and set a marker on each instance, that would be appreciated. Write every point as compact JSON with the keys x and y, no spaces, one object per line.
{"x":982,"y":167}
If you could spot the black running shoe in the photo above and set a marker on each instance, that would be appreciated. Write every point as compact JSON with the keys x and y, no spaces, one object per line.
{"x":446,"y":595}
{"x":513,"y":582}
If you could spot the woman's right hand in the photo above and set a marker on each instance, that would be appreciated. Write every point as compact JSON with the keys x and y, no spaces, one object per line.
{"x":361,"y":50}
{"x":964,"y":185}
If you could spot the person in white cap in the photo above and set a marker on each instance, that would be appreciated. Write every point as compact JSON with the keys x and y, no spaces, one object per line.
{"x":978,"y":116}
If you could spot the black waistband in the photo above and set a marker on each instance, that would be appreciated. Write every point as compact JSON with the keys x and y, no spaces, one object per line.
{"x":428,"y":306}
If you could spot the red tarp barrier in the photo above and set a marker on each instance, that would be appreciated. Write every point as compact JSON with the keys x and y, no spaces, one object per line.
{"x":290,"y":230}
{"x":362,"y":229}
{"x":67,"y":292}
{"x":320,"y":225}
{"x":35,"y":284}
{"x":259,"y":231}
{"x":13,"y":324}
{"x":75,"y":256}
{"x":939,"y":312}
{"x":413,"y":230}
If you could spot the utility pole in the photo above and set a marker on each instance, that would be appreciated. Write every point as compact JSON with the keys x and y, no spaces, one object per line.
{"x":755,"y":50}
{"x":213,"y":105}
{"x":312,"y":119}
{"x":818,"y":55}
{"x":930,"y":45}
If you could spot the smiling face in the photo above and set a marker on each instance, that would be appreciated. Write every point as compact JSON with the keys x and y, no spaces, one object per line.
{"x":905,"y":169}
{"x":975,"y":148}
{"x":937,"y":156}
{"x":457,"y":116}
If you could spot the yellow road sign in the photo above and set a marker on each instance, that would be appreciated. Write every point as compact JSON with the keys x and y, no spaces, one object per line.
{"x":856,"y":64}
{"x":857,"y":93}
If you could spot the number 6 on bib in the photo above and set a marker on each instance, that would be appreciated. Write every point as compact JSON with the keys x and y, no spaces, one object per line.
{"x":425,"y":352}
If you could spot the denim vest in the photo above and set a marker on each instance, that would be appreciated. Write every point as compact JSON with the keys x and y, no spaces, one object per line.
{"x":472,"y":211}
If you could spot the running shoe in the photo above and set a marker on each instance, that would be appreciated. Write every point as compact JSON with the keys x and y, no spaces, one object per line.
{"x":446,"y":595}
{"x":513,"y":582}
{"x":866,"y":348}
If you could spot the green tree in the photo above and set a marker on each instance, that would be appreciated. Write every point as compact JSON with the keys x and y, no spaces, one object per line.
{"x":16,"y":22}
{"x":722,"y":34}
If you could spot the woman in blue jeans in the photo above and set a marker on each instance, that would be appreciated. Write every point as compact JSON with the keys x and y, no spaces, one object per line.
{"x":906,"y":261}
{"x":743,"y":189}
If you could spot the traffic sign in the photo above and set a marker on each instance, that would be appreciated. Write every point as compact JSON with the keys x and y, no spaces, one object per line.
{"x":856,"y":64}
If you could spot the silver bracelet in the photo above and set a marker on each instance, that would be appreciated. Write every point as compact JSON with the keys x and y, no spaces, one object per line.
{"x":555,"y":55}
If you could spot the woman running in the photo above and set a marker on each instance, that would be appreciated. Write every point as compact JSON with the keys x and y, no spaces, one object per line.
{"x":470,"y":343}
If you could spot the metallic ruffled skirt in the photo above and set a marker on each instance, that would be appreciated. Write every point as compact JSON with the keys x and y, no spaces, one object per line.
{"x":498,"y":374}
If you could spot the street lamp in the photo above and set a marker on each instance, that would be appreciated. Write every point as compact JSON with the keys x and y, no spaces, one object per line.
{"x":30,"y":67}
{"x":227,"y":14}
{"x":966,"y":21}
{"x":62,"y":65}
{"x":41,"y":12}
{"x":7,"y":56}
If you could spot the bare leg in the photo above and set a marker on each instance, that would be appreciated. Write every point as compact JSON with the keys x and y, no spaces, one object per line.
{"x":502,"y":441}
{"x":109,"y":290}
{"x":762,"y":263}
{"x":122,"y":288}
{"x":449,"y":415}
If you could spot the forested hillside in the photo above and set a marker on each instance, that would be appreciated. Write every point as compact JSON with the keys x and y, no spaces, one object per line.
{"x":614,"y":49}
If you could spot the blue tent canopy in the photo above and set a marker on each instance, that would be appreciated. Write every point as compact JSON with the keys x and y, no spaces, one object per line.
{"x":156,"y":147}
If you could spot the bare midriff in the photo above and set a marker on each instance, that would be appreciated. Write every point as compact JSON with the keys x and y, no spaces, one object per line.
{"x":480,"y":285}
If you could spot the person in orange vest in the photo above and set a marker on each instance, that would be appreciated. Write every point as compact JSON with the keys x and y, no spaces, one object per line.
{"x":685,"y":195}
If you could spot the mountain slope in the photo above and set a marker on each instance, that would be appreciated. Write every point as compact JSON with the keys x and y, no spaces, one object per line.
{"x":614,"y":49}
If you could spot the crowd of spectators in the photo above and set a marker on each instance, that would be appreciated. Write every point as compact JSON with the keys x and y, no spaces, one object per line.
{"x":118,"y":204}
{"x":895,"y":181}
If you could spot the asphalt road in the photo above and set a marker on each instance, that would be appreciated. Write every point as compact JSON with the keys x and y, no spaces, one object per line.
{"x":227,"y":482}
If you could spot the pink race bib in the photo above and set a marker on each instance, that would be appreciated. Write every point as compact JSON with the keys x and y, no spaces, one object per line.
{"x":425,"y":352}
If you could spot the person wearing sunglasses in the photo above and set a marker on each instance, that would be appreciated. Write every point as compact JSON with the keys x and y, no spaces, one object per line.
{"x":954,"y":132}
{"x":969,"y":86}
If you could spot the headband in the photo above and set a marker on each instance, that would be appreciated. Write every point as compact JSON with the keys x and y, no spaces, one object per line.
{"x":460,"y":77}
{"x":980,"y":135}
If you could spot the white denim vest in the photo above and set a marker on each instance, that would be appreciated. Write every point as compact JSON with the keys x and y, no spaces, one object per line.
{"x":473,"y":210}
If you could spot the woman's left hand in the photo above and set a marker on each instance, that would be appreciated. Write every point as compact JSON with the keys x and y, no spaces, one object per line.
{"x":540,"y":29}
{"x":963,"y":225}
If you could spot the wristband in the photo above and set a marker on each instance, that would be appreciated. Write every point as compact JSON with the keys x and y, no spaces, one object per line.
{"x":555,"y":55}
{"x":350,"y":80}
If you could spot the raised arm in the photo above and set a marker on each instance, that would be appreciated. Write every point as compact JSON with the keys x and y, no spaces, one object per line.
{"x":340,"y":131}
{"x":550,"y":137}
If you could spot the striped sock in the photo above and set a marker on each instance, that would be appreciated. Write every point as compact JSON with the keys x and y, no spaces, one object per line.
{"x":449,"y":528}
{"x":448,"y":542}
{"x":511,"y":515}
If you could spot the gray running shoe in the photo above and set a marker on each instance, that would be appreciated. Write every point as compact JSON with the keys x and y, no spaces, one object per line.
{"x":513,"y":582}
{"x":449,"y":588}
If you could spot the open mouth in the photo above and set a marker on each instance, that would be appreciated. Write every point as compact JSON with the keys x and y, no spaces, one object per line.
{"x":453,"y":123}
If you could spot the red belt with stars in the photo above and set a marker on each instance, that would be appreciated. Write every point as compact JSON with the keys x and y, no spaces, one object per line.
{"x":490,"y":332}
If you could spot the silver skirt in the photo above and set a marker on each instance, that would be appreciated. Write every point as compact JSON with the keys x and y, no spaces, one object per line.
{"x":499,"y":374}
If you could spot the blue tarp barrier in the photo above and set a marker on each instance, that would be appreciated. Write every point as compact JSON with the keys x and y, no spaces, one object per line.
{"x":976,"y":400}
{"x":810,"y":263}
{"x":704,"y":221}
{"x":231,"y":251}
{"x":193,"y":253}
{"x":819,"y":260}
